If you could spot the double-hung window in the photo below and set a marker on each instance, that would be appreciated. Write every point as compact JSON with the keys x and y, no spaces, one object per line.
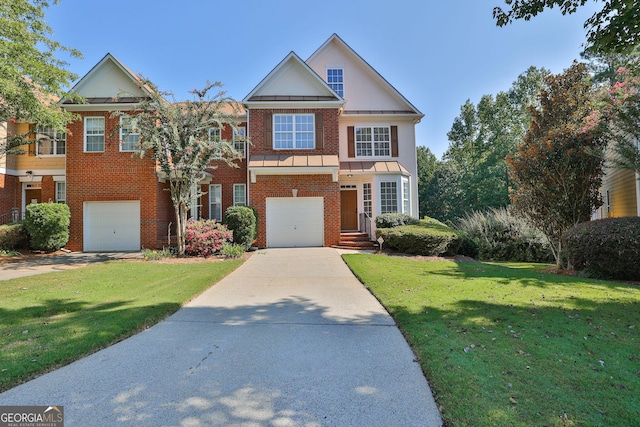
{"x":51,"y":142}
{"x":405,"y":197}
{"x":335,"y":80}
{"x":94,"y":134}
{"x":240,"y":194}
{"x":215,"y":136}
{"x":388,"y":197}
{"x":61,"y":192}
{"x":366,"y":198}
{"x":293,"y":131}
{"x":239,"y":138}
{"x":129,"y":136}
{"x":373,"y":141}
{"x":215,"y":202}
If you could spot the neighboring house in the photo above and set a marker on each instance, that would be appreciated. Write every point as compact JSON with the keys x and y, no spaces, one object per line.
{"x":620,"y":193}
{"x":332,"y":146}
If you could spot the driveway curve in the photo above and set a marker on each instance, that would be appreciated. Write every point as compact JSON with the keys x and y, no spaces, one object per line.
{"x":291,"y":338}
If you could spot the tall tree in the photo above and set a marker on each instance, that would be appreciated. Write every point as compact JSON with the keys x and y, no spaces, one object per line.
{"x":557,"y":170}
{"x":427,"y":164}
{"x":178,"y":136}
{"x":32,"y":77}
{"x":613,"y":29}
{"x":442,"y":194}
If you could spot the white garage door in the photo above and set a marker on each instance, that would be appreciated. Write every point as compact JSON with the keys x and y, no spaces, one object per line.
{"x":295,"y":222}
{"x":111,"y":226}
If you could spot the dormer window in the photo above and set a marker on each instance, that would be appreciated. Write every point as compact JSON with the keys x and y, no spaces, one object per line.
{"x":335,"y":79}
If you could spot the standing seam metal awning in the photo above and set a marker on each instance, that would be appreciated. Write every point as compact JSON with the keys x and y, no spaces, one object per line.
{"x":293,"y":164}
{"x":372,"y":167}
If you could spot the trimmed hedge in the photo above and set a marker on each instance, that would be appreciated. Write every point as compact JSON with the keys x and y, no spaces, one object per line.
{"x":429,"y":237}
{"x":13,"y":236}
{"x":47,"y":225}
{"x":605,"y":248}
{"x":205,"y":237}
{"x":396,"y":219}
{"x":241,"y":220}
{"x":502,"y":236}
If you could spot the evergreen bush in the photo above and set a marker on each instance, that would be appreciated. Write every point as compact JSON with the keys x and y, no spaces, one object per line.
{"x":47,"y":225}
{"x":503,"y":236}
{"x":605,"y":248}
{"x":206,"y":237}
{"x":429,"y":237}
{"x":13,"y":236}
{"x":396,"y":219}
{"x":241,"y":220}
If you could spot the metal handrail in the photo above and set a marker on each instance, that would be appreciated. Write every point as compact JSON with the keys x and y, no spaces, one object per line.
{"x":365,"y":224}
{"x":13,"y":216}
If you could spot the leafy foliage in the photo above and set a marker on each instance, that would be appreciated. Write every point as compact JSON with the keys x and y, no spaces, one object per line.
{"x":232,"y":250}
{"x":442,"y":195}
{"x":176,"y":136}
{"x":241,"y":220}
{"x":502,"y":236}
{"x":395,"y":219}
{"x":557,"y":170}
{"x":205,"y":237}
{"x":47,"y":225}
{"x":605,"y":248}
{"x":32,"y":78}
{"x":429,"y":237}
{"x":613,"y":29}
{"x":13,"y":236}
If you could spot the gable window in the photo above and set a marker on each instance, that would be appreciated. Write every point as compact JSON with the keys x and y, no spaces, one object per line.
{"x":215,"y":202}
{"x":239,"y":194}
{"x":335,"y":80}
{"x":61,"y":192}
{"x":51,"y":142}
{"x":129,"y":136}
{"x":93,"y":134}
{"x":373,"y":141}
{"x":239,"y":138}
{"x":293,"y":131}
{"x":388,"y":197}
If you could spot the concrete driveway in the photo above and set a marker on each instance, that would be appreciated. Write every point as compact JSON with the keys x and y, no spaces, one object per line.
{"x":291,"y":338}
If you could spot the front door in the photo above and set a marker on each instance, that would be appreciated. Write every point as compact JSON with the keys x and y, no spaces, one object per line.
{"x":349,"y":210}
{"x":33,"y":196}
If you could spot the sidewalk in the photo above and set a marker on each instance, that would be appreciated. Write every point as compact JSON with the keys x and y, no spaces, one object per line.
{"x":291,"y":338}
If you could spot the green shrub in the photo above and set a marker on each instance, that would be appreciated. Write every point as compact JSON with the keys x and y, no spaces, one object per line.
{"x":232,"y":250}
{"x":396,"y":219}
{"x":605,"y":248}
{"x":47,"y":225}
{"x":13,"y":236}
{"x":241,"y":220}
{"x":503,"y":236}
{"x":469,"y":247}
{"x":429,"y":237}
{"x":154,"y":254}
{"x":205,"y":237}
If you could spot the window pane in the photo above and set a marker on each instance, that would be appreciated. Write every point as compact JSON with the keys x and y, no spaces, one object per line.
{"x":239,"y":140}
{"x":388,"y":197}
{"x":94,"y":133}
{"x":366,"y":195}
{"x":215,"y":202}
{"x":129,"y":136}
{"x":239,"y":195}
{"x":295,"y":131}
{"x":61,"y":192}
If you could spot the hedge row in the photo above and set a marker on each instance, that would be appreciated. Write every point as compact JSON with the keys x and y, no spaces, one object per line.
{"x":428,"y":237}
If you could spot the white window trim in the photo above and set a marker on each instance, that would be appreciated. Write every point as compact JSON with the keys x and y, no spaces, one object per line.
{"x":244,"y":192}
{"x":54,"y":142}
{"x":372,"y":127}
{"x":123,"y":135}
{"x":211,"y":187}
{"x":405,"y":186}
{"x":333,"y":83}
{"x":86,"y":119}
{"x":244,"y":142}
{"x":293,"y":130}
{"x":64,"y":186}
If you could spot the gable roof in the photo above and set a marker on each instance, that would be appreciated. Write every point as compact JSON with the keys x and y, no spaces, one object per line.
{"x":108,"y":84}
{"x":407,"y":107}
{"x":293,"y":83}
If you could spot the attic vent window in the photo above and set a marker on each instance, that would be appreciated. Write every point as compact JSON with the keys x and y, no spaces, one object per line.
{"x":335,"y":80}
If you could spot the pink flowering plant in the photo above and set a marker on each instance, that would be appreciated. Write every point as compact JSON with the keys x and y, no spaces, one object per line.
{"x":205,"y":238}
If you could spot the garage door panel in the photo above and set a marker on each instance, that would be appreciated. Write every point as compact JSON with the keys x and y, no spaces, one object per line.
{"x":295,"y":222}
{"x":112,"y":226}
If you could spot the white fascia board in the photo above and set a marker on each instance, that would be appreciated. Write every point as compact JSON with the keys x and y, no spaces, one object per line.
{"x":294,"y":170}
{"x":291,"y":105}
{"x":99,"y":107}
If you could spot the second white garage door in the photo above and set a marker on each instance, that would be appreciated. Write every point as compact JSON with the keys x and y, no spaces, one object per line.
{"x":295,"y":222}
{"x":111,"y":226}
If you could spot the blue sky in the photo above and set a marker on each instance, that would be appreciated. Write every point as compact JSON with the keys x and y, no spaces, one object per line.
{"x":436,"y":53}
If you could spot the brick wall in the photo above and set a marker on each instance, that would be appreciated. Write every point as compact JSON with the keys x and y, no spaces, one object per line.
{"x":111,"y":175}
{"x":308,"y":186}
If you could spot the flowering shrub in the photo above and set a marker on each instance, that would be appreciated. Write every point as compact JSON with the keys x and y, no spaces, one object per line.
{"x":206,"y":237}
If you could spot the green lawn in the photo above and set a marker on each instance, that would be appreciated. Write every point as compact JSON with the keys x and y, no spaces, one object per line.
{"x":53,"y":319}
{"x":504,"y":345}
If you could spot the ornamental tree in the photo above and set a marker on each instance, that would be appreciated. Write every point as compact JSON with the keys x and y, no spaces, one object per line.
{"x":178,"y":137}
{"x":557,"y":171}
{"x":32,"y":78}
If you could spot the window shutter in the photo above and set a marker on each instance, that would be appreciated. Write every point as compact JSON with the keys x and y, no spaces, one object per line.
{"x":319,"y":131}
{"x":351,"y":142}
{"x":268,"y":131}
{"x":394,"y":141}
